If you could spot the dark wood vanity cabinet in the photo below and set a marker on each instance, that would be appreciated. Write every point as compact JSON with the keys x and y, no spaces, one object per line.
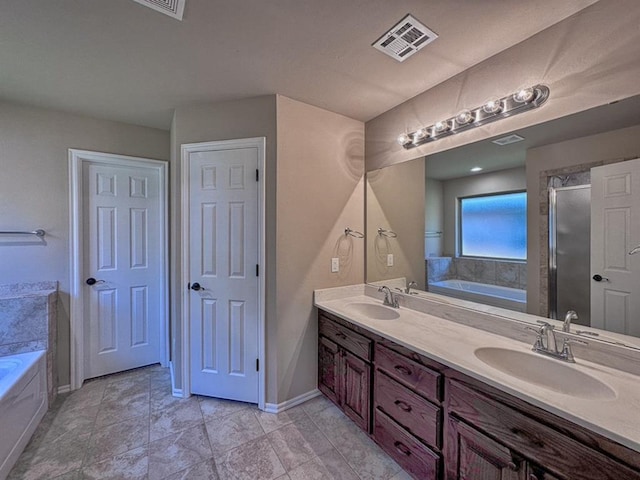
{"x":407,"y":410}
{"x":477,"y":456}
{"x":491,"y":435}
{"x":329,"y":369}
{"x":344,"y":369}
{"x":438,"y":423}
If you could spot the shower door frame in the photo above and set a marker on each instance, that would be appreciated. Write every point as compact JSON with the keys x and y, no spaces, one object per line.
{"x":553,"y":267}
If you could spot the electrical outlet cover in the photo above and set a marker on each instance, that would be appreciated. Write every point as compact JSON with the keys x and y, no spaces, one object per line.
{"x":335,"y":265}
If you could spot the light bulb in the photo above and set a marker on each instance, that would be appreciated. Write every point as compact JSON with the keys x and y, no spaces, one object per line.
{"x":464,"y":117}
{"x":492,"y":106}
{"x":419,"y":135}
{"x":476,"y":169}
{"x":441,"y":127}
{"x":403,"y":139}
{"x":524,"y":95}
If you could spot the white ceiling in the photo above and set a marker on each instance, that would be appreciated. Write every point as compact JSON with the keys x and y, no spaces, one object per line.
{"x":119,"y":60}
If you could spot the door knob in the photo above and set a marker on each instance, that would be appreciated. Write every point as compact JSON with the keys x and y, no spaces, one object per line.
{"x":196,"y":286}
{"x":600,"y":278}
{"x":92,"y":281}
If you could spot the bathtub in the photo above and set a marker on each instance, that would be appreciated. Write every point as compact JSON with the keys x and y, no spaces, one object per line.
{"x":494,"y":295}
{"x":23,"y":403}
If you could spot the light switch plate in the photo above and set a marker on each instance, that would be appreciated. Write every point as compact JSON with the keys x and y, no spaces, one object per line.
{"x":335,"y":265}
{"x":389,"y":259}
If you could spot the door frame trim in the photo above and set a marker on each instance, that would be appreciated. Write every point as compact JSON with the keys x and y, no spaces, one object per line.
{"x":77,"y":161}
{"x":260,"y":144}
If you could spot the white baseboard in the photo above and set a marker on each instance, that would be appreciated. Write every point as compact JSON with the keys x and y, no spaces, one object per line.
{"x":64,"y":389}
{"x":281,"y":407}
{"x":176,"y":392}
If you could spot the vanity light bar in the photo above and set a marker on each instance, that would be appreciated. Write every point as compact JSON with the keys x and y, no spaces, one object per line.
{"x":495,"y":109}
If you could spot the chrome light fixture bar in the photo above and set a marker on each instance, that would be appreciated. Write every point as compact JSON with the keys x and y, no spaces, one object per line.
{"x":495,"y":109}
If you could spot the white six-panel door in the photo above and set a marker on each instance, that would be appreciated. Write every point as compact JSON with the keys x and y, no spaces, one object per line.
{"x":615,"y":230}
{"x":122,"y":245}
{"x":224,"y":245}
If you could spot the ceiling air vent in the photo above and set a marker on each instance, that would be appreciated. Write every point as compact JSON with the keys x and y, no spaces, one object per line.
{"x":405,"y":39}
{"x":173,"y":8}
{"x":509,"y":139}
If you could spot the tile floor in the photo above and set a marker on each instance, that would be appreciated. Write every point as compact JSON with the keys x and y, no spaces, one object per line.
{"x":128,"y":426}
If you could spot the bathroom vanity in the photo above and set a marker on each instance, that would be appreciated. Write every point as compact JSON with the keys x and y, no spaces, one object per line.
{"x":448,"y":401}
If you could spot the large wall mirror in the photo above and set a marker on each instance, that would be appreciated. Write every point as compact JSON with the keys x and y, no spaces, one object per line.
{"x":546,"y":226}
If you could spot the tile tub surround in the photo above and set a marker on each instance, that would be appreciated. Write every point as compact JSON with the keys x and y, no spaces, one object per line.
{"x":440,"y":268}
{"x":28,"y":323}
{"x":503,"y":273}
{"x":196,"y":438}
{"x":440,"y":329}
{"x":492,"y":272}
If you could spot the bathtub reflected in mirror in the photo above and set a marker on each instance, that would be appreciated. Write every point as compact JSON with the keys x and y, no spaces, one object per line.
{"x":495,"y":295}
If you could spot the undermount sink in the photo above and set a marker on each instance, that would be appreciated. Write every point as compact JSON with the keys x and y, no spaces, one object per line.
{"x":545,"y":372}
{"x":371,"y":310}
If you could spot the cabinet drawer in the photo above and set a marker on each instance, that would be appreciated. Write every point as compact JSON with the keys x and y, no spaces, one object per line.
{"x":562,"y":454}
{"x":350,"y":340}
{"x":419,"y":416}
{"x":423,"y":380}
{"x":413,"y":456}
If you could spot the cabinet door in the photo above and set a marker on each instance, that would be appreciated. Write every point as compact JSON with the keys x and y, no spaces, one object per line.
{"x":537,"y":473}
{"x":355,"y":389}
{"x":478,"y":457}
{"x":329,"y":375}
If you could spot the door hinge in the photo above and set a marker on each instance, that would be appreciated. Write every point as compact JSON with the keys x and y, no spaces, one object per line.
{"x":257,"y":270}
{"x":257,"y":364}
{"x":257,"y":175}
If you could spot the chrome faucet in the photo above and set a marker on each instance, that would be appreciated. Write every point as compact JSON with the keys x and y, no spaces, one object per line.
{"x":548,"y":338}
{"x":546,"y":343}
{"x":389,"y":299}
{"x":407,"y":289}
{"x":570,"y":316}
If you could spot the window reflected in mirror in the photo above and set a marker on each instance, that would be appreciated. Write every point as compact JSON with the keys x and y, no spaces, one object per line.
{"x":494,"y":226}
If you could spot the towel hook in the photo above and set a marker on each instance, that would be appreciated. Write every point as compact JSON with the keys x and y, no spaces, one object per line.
{"x":387,"y":233}
{"x":353,"y":233}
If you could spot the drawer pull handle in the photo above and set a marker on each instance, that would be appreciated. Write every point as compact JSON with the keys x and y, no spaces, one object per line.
{"x":513,"y":466}
{"x":402,"y":448}
{"x":402,"y":369}
{"x":533,"y":476}
{"x":403,"y":406}
{"x":341,"y":335}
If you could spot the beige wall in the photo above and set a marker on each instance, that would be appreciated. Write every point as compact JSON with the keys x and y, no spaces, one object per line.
{"x":34,"y":191}
{"x":315,"y":165}
{"x":247,"y":118}
{"x":395,"y":201}
{"x":320,"y":193}
{"x":509,"y":180}
{"x":604,"y":147}
{"x":586,"y":60}
{"x":433,"y":217}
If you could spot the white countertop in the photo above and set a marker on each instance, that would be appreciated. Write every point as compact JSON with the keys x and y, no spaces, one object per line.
{"x":453,"y":345}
